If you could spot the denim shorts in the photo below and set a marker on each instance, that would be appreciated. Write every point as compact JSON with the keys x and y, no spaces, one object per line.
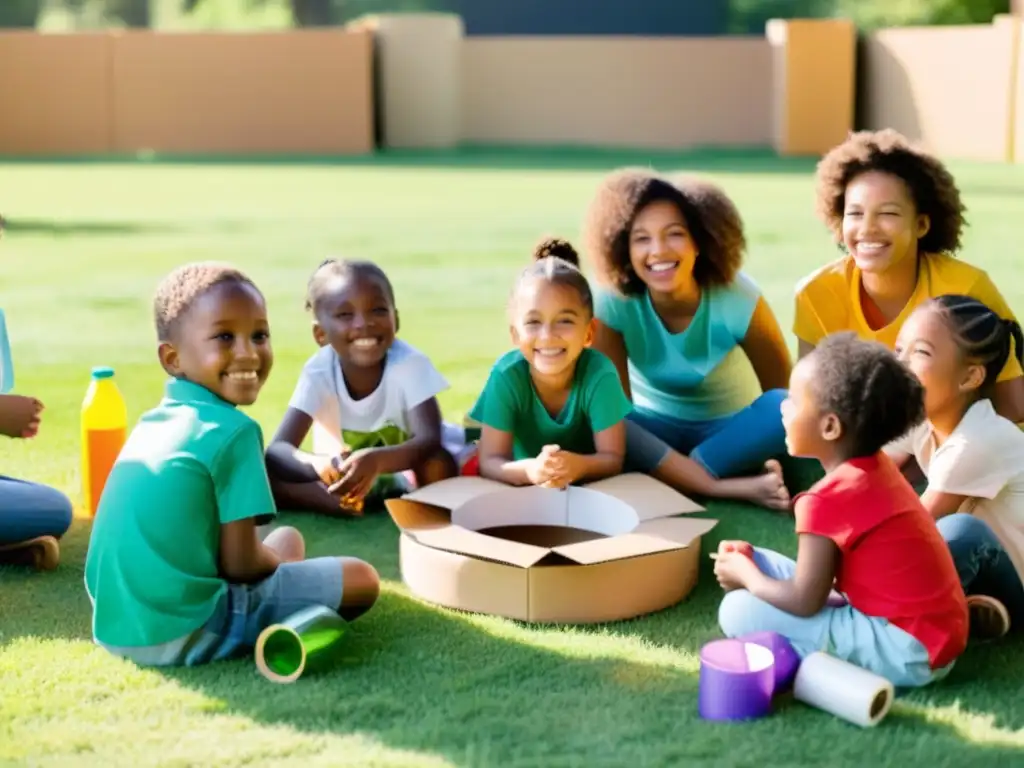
{"x":243,"y":612}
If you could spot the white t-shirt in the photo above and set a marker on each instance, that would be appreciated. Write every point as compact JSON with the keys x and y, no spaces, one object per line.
{"x":982,"y":459}
{"x":380,"y":419}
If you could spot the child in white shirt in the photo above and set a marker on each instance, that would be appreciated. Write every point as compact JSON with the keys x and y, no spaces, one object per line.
{"x":972,"y":457}
{"x":369,"y":398}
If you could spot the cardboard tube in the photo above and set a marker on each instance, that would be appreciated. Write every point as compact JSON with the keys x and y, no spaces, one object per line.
{"x":843,"y":689}
{"x":736,"y":680}
{"x":285,"y":650}
{"x":787,"y":660}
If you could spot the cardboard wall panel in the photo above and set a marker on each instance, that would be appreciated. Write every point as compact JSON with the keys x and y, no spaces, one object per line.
{"x":669,"y":93}
{"x":946,"y":87}
{"x":814,"y":83}
{"x":418,"y":71}
{"x":303,"y":91}
{"x":55,"y":92}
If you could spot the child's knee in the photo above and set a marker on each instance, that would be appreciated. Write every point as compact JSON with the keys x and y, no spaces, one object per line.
{"x":736,"y":613}
{"x":287,"y":542}
{"x":440,"y":465}
{"x":360,"y":585}
{"x":960,"y":526}
{"x":61,"y":512}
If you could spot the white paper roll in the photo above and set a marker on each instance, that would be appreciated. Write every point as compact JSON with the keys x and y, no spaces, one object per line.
{"x":843,"y":689}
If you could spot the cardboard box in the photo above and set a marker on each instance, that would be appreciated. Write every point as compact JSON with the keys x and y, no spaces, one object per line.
{"x":605,"y":551}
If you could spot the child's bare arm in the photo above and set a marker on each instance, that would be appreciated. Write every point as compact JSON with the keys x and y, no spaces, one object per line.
{"x":606,"y":461}
{"x":610,"y":343}
{"x":766,"y":348}
{"x":807,"y":592}
{"x":243,"y":557}
{"x":284,"y":458}
{"x":939,"y":504}
{"x":495,"y":457}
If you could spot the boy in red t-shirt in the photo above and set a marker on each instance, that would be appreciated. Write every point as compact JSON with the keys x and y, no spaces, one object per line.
{"x":862,"y":530}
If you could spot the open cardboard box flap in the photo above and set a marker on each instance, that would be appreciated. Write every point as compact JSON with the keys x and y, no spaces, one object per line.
{"x":431,"y":527}
{"x":627,"y":512}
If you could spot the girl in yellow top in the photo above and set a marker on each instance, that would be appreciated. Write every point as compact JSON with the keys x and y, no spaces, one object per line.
{"x":897,"y":213}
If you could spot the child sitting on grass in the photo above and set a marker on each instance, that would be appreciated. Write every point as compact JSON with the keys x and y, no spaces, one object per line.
{"x":698,"y":350}
{"x":861,"y":529}
{"x":32,"y":516}
{"x":552,"y":410}
{"x":370,"y":399}
{"x":972,"y":457}
{"x":897,"y":213}
{"x":175,"y":570}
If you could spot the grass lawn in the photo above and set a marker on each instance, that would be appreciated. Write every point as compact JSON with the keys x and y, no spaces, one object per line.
{"x":418,"y":686}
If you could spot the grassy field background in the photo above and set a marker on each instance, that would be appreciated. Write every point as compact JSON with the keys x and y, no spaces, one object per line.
{"x":417,"y":686}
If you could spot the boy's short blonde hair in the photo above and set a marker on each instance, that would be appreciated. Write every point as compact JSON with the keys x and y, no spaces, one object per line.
{"x":179,"y":290}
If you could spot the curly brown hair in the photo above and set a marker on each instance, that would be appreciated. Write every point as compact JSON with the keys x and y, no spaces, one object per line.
{"x":931,"y":185}
{"x":711,"y":217}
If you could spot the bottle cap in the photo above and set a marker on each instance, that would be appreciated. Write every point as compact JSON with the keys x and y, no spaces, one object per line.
{"x":102,"y":372}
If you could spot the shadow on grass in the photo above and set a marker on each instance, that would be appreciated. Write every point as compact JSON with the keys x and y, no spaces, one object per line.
{"x":480,"y":691}
{"x":477,"y":692}
{"x":747,"y":161}
{"x":54,"y":228}
{"x":50,"y":605}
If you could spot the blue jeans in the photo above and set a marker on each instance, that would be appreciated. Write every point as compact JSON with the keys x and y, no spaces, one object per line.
{"x":982,"y":563}
{"x":244,"y":611}
{"x":727,"y":447}
{"x":29,"y":510}
{"x":869,"y":642}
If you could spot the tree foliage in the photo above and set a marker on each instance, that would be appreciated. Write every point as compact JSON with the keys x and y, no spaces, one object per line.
{"x":749,"y":16}
{"x":20,"y":13}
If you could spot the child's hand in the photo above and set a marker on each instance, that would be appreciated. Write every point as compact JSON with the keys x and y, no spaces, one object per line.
{"x":357,"y":474}
{"x":742,"y":547}
{"x":568,"y":468}
{"x":19,"y":416}
{"x":544,"y":469}
{"x":732,"y":569}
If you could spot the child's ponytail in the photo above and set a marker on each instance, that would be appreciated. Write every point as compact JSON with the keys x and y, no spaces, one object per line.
{"x":1013,"y":333}
{"x":982,"y":335}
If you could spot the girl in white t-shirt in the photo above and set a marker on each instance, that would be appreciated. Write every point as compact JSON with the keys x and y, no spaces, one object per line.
{"x":972,"y":458}
{"x":369,"y":398}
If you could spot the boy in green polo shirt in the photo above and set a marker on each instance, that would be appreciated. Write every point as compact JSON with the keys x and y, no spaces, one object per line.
{"x":176,"y":571}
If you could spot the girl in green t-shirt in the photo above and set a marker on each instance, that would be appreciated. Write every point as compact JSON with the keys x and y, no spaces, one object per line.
{"x":552,"y":410}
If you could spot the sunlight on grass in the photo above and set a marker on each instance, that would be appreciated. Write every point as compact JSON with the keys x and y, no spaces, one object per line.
{"x":414,"y":684}
{"x":976,"y":727}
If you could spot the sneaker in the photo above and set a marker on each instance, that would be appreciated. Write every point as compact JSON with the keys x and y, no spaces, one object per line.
{"x":989,"y":617}
{"x":42,"y":553}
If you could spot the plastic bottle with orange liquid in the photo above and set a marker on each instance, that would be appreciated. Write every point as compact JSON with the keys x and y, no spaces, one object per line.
{"x":104,"y":427}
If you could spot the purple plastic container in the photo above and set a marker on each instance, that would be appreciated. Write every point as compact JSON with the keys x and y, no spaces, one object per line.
{"x":737,"y":679}
{"x":787,"y":662}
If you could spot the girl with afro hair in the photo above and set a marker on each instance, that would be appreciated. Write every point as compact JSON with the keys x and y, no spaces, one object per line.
{"x":698,"y":350}
{"x":896,"y":212}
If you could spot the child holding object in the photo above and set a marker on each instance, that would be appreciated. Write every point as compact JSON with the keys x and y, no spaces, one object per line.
{"x":972,"y":457}
{"x":370,"y":399}
{"x":552,"y":410}
{"x":176,"y":571}
{"x":897,"y":213}
{"x":861,"y":529}
{"x":697,"y":348}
